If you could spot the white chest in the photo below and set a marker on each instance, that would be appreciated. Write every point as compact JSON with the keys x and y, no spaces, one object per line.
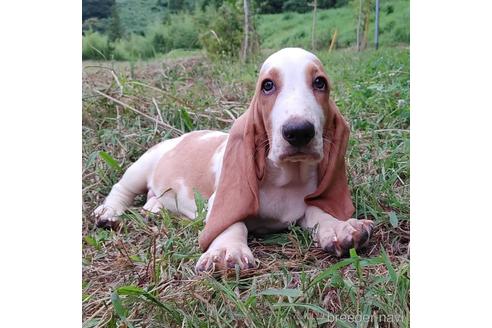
{"x":282,"y":195}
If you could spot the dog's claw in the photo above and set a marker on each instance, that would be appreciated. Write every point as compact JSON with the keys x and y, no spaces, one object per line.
{"x":226,"y":257}
{"x":106,"y":217}
{"x":338,"y":238}
{"x":107,"y":224}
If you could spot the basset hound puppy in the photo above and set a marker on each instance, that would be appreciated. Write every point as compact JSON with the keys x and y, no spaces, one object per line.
{"x":282,"y":163}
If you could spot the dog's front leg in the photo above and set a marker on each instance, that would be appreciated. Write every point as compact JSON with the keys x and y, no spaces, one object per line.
{"x":333,"y":235}
{"x":227,"y":250}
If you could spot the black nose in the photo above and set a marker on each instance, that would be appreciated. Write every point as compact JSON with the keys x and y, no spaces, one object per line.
{"x":298,"y":133}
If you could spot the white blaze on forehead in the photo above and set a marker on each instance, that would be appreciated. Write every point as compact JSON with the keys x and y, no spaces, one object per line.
{"x":288,"y":57}
{"x":295,"y":97}
{"x":291,"y":65}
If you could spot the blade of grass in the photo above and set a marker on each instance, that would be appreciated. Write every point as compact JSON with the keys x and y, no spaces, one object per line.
{"x":139,"y":292}
{"x":119,"y":309}
{"x":112,"y":163}
{"x":330,"y":270}
{"x":289,"y":292}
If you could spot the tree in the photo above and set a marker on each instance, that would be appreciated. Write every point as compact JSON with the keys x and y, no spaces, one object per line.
{"x":363,"y":15}
{"x":96,"y":9}
{"x":221,"y":30}
{"x":300,"y":6}
{"x":114,"y":32}
{"x":247,"y":19}
{"x":270,"y":6}
{"x":175,"y":5}
{"x":315,"y":7}
{"x":376,"y":27}
{"x":215,"y":4}
{"x":250,"y":44}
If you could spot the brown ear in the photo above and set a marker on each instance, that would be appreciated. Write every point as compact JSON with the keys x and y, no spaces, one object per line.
{"x":333,"y":194}
{"x":236,"y":197}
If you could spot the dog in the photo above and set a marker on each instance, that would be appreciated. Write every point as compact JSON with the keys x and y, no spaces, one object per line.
{"x":282,"y":163}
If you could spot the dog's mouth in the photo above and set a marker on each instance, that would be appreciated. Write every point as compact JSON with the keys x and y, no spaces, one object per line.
{"x":300,"y":156}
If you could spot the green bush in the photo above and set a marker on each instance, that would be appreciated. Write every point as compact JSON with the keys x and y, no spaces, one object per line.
{"x":95,"y":46}
{"x":184,"y":32}
{"x":401,"y":34}
{"x":221,"y":30}
{"x":179,"y":32}
{"x":286,"y":16}
{"x":389,"y":9}
{"x":296,"y":5}
{"x":94,"y":24}
{"x":160,"y":38}
{"x":133,"y":48}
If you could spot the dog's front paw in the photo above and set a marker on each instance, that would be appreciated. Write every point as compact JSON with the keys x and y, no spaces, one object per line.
{"x":219,"y":257}
{"x":106,"y":217}
{"x":338,"y":238}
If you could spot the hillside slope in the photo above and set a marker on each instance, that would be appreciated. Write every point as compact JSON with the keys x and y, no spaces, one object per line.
{"x":137,"y":15}
{"x":294,"y":29}
{"x":290,"y":28}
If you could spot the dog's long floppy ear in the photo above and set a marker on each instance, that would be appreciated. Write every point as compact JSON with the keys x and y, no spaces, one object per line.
{"x":333,"y":194}
{"x":236,"y":197}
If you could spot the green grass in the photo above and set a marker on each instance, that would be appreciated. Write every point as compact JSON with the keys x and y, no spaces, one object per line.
{"x":294,"y":29}
{"x":143,"y":274}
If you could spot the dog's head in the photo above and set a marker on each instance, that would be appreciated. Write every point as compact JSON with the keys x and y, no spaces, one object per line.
{"x":292,"y":95}
{"x":290,"y":119}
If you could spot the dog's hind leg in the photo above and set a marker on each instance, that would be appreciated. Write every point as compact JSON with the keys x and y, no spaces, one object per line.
{"x":134,"y":182}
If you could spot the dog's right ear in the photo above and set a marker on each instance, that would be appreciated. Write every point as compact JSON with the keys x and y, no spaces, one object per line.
{"x":243,"y":165}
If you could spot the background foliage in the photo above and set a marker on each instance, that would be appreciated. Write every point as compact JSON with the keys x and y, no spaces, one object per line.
{"x":159,"y":26}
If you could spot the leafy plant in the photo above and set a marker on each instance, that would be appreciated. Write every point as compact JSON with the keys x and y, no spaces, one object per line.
{"x":221,"y":30}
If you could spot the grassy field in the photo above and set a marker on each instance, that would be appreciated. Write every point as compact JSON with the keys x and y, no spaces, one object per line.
{"x":294,"y":29}
{"x":143,"y":274}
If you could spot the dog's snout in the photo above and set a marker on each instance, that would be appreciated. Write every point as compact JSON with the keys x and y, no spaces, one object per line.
{"x":298,"y":133}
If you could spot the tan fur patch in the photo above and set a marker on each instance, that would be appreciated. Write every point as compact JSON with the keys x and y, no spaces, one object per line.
{"x":190,"y":161}
{"x":314,"y":70}
{"x":266,"y":102}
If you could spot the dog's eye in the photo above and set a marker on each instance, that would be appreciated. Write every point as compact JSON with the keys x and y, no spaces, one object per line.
{"x":319,"y":83}
{"x":268,"y":86}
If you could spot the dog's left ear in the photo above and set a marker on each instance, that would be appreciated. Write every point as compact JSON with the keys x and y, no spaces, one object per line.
{"x":333,"y":194}
{"x":243,"y":165}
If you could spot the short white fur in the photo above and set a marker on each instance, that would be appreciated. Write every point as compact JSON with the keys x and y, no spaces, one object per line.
{"x":295,"y":98}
